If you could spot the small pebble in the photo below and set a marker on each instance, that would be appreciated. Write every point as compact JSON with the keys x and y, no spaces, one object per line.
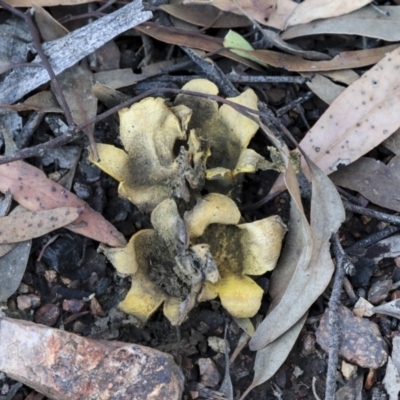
{"x":73,"y":306}
{"x":28,"y":301}
{"x":47,"y":315}
{"x":208,"y":372}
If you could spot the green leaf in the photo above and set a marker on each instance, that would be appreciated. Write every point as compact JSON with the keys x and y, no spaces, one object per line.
{"x":237,"y":44}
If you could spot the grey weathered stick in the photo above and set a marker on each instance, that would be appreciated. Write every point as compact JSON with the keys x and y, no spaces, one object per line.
{"x":65,"y":366}
{"x":67,"y":51}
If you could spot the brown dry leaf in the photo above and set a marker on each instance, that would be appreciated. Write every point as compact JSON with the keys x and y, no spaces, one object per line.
{"x":61,"y":365}
{"x":323,"y":87}
{"x":311,"y":10}
{"x":118,"y":78}
{"x":42,"y":102}
{"x":311,"y":278}
{"x":373,"y":179}
{"x":32,"y":224}
{"x":357,"y":121}
{"x":191,"y":39}
{"x":260,"y":10}
{"x":204,"y":15}
{"x":274,"y":38}
{"x":343,"y":60}
{"x":33,"y":190}
{"x":346,"y":76}
{"x":363,"y":22}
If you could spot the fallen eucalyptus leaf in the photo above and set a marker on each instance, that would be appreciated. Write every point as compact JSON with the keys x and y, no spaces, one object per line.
{"x":270,"y":358}
{"x":192,"y":39}
{"x":276,"y":40}
{"x":295,"y":255}
{"x":33,"y":190}
{"x":311,"y":278}
{"x":343,"y":60}
{"x":12,"y":269}
{"x":373,"y":179}
{"x":311,"y":10}
{"x":363,"y":22}
{"x":32,"y":224}
{"x":260,"y":11}
{"x":392,"y":308}
{"x":202,"y":14}
{"x":323,"y":87}
{"x":356,"y":122}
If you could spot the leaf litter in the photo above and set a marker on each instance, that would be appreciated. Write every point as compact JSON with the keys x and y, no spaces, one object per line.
{"x":356,"y":122}
{"x":307,"y":244}
{"x":33,"y":190}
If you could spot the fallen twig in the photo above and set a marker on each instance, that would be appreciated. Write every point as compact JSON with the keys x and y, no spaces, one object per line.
{"x":343,"y":264}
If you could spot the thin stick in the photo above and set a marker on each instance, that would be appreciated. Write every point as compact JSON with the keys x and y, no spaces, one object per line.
{"x":392,"y":219}
{"x":342,"y":262}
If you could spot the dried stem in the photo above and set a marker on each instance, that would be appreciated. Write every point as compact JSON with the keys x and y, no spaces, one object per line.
{"x":342,"y":264}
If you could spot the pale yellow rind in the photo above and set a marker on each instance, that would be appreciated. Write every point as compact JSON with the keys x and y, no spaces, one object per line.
{"x":261,"y":243}
{"x":143,"y":299}
{"x":213,"y":208}
{"x":239,"y":295}
{"x":113,"y":161}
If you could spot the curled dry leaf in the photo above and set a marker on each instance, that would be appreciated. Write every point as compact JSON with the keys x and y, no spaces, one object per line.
{"x":33,"y":190}
{"x":313,"y":272}
{"x":168,"y":263}
{"x":32,"y":224}
{"x":356,"y":122}
{"x":303,"y":271}
{"x":295,"y":255}
{"x":65,"y":366}
{"x":392,"y":308}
